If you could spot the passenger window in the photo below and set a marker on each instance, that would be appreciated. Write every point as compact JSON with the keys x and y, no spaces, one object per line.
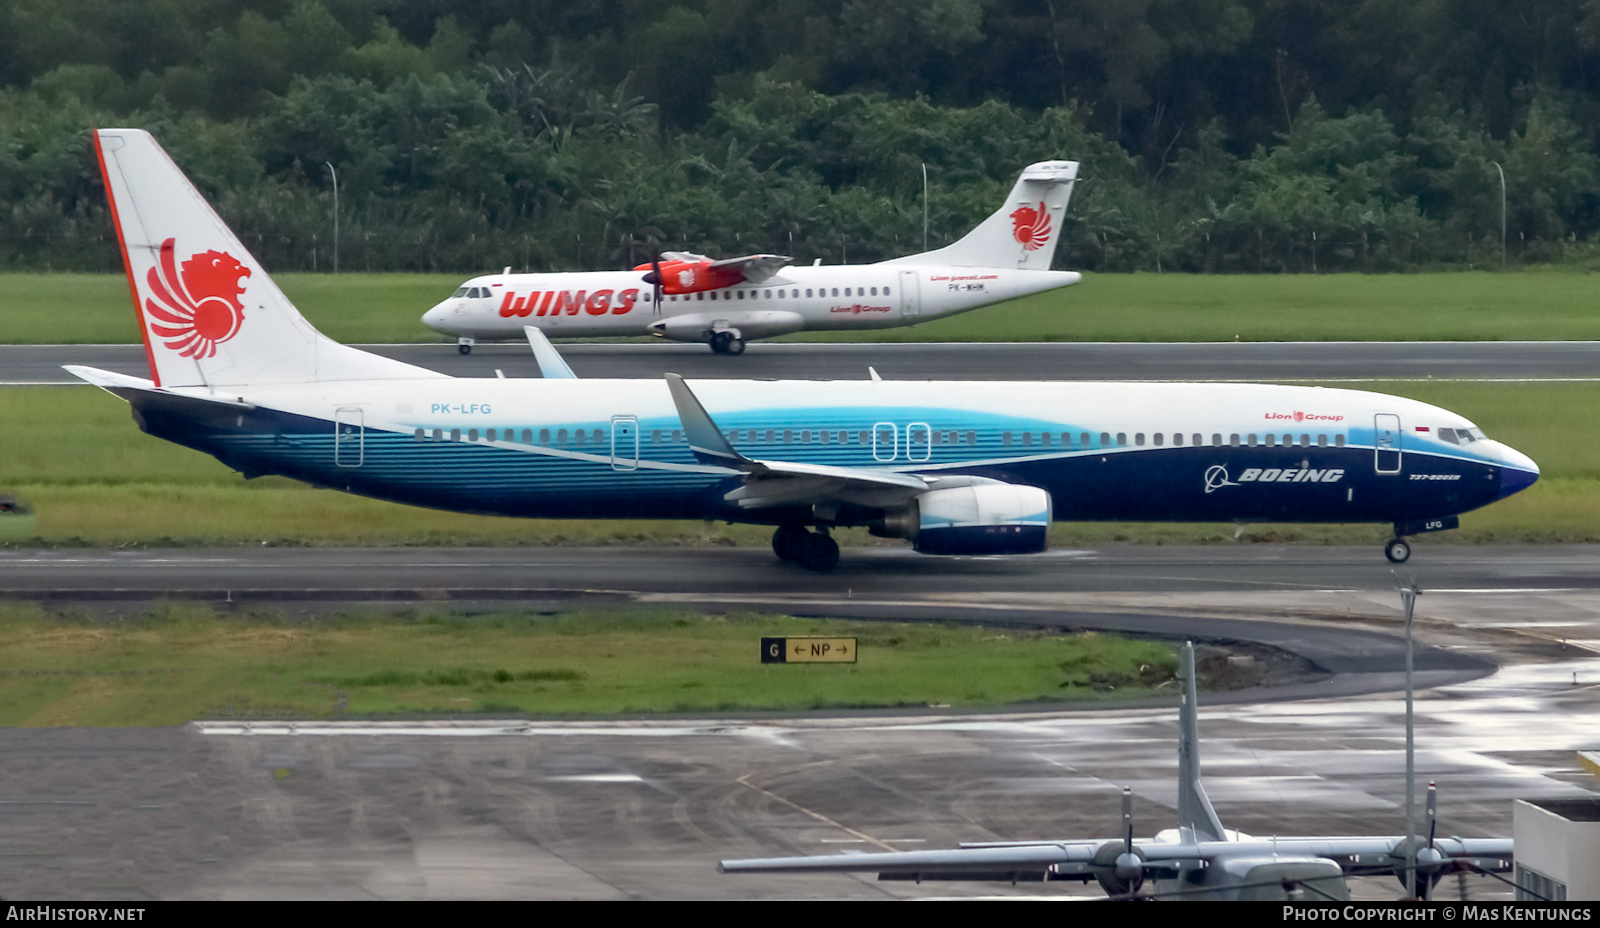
{"x":1084,"y":439}
{"x":677,"y":436}
{"x":1044,"y":439}
{"x":1338,"y":441}
{"x":490,"y":436}
{"x":765,"y":293}
{"x":808,"y":291}
{"x":739,"y":294}
{"x":1305,"y":441}
{"x":418,"y":436}
{"x":1005,"y":439}
{"x":1177,"y":439}
{"x":1201,"y":439}
{"x":780,"y":294}
{"x":455,"y":434}
{"x":1105,"y":439}
{"x":1322,"y":441}
{"x":1122,"y":439}
{"x":579,"y":435}
{"x":438,"y":435}
{"x":544,"y":436}
{"x":1138,"y":439}
{"x":1288,"y":441}
{"x":805,"y":436}
{"x":713,"y":294}
{"x":972,"y":438}
{"x":561,"y":437}
{"x":836,"y":291}
{"x":885,"y":291}
{"x":1271,"y":440}
{"x":1027,"y":439}
{"x":874,"y":291}
{"x":1252,"y":440}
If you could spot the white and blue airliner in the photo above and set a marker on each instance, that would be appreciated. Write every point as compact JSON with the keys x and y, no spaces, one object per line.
{"x":955,"y":468}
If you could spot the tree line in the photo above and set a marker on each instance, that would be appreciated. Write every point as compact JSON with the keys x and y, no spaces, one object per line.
{"x":1215,"y":135}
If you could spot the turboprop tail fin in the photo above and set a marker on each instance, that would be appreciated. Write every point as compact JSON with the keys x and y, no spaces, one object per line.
{"x":209,"y":314}
{"x":1023,"y":233}
{"x":1195,"y":814}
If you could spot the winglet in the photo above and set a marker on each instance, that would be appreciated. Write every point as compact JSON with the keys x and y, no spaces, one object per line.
{"x":550,"y":363}
{"x":705,"y":439}
{"x":1195,"y":814}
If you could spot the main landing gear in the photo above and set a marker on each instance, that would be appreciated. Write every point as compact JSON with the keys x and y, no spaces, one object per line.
{"x":726,"y":343}
{"x":811,"y":550}
{"x":1397,"y":550}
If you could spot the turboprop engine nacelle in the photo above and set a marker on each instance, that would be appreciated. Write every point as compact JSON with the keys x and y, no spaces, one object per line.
{"x":987,"y":518}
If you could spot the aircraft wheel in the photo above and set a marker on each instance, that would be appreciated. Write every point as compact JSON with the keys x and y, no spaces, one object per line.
{"x":734,"y":346}
{"x":719,"y":342}
{"x":819,"y":553}
{"x":1397,"y":550}
{"x":464,"y":349}
{"x":787,"y":541}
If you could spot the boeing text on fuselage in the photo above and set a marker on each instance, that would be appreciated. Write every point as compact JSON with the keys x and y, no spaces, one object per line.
{"x":724,"y":303}
{"x":954,"y":468}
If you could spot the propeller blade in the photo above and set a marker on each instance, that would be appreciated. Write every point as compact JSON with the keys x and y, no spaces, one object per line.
{"x":1127,"y":820}
{"x":1433,"y":811}
{"x":655,"y":278}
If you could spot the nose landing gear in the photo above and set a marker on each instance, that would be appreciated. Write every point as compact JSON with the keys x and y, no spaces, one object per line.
{"x":464,"y":345}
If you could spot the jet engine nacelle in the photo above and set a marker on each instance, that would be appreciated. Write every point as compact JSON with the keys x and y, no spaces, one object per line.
{"x":988,"y":518}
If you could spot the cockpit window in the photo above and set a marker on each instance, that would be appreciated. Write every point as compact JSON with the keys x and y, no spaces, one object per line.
{"x":1462,"y":436}
{"x":460,"y":291}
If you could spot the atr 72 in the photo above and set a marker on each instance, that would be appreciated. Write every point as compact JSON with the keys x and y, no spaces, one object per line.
{"x":955,"y":468}
{"x":691,"y":298}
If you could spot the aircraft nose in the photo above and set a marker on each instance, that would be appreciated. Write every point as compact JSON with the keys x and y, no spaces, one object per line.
{"x":1517,"y":471}
{"x":433,"y":317}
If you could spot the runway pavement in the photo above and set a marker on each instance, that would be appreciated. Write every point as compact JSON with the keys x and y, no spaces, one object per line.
{"x":1226,"y":361}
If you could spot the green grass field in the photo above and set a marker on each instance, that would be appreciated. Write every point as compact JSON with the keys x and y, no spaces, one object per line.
{"x":95,"y":479}
{"x":179,"y":663}
{"x":1525,"y":305}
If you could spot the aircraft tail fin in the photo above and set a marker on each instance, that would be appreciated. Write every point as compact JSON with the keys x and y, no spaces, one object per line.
{"x":208,"y":312}
{"x":1195,"y":814}
{"x":1023,"y":233}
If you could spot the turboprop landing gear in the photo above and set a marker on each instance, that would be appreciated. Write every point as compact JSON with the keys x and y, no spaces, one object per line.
{"x":1397,"y":550}
{"x":811,"y":550}
{"x":727,"y":343}
{"x":464,"y":345}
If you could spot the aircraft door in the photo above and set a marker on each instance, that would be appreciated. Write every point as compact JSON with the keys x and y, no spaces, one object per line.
{"x":885,"y":439}
{"x":624,"y":443}
{"x":347,"y":450}
{"x":1386,"y":443}
{"x":910,"y":302}
{"x":919,"y":441}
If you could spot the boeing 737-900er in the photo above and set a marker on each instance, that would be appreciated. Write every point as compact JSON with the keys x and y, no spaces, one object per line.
{"x":956,"y":468}
{"x":691,"y":298}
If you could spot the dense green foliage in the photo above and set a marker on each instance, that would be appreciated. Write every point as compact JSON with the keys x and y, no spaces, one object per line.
{"x":1216,"y":135}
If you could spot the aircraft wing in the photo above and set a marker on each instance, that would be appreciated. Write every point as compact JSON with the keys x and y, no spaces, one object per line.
{"x":755,"y":268}
{"x":986,"y":863}
{"x":790,"y":483}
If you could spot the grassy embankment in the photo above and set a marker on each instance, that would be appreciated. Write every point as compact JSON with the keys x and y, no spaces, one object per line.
{"x":181,"y":663}
{"x":93,"y":478}
{"x":1528,"y":305}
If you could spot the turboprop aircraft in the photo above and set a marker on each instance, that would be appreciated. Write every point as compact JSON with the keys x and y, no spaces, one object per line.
{"x":1199,"y":859}
{"x":955,"y":468}
{"x":689,"y":297}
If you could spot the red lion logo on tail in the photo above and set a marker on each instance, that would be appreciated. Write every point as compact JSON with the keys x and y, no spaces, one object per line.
{"x":202,"y":310}
{"x":1031,"y":227}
